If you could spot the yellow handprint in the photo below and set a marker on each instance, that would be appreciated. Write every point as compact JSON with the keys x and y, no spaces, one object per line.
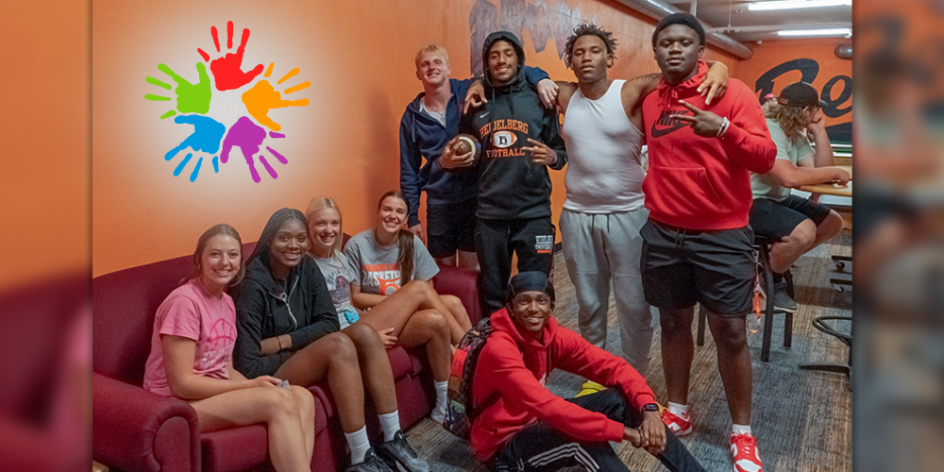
{"x":263,"y":97}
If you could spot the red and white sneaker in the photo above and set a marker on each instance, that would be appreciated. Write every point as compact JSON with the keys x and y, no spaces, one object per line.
{"x":680,"y":425}
{"x":744,"y":450}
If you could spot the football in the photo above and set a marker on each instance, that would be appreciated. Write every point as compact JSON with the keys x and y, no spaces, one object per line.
{"x":466,"y":143}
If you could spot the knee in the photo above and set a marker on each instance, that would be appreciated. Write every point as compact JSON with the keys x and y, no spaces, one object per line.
{"x":832,"y":225}
{"x":730,"y":333}
{"x":418,"y":287}
{"x":342,"y":349}
{"x":436,"y":323}
{"x":672,"y":325}
{"x":804,"y":234}
{"x":278,"y":402}
{"x":304,"y":400}
{"x":452,"y":302}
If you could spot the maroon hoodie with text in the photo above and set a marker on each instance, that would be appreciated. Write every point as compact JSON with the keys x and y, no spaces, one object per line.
{"x":704,"y":183}
{"x":516,"y":365}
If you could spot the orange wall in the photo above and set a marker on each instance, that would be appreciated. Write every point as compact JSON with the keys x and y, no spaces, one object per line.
{"x":359,"y":59}
{"x":44,"y":128}
{"x":771,"y":54}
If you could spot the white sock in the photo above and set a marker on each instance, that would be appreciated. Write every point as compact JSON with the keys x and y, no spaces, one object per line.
{"x":390,"y":423}
{"x":442,"y":399}
{"x":678,"y":409}
{"x":359,"y":445}
{"x":741,"y":429}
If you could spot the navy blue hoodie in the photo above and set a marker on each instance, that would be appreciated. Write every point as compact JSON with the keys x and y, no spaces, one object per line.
{"x":423,"y":136}
{"x":510,"y":186}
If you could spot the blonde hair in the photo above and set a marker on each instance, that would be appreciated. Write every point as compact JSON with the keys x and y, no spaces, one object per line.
{"x":321,"y":203}
{"x":433,"y":48}
{"x":792,"y":119}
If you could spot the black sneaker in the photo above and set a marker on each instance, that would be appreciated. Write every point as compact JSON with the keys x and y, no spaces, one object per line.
{"x":371,"y":463}
{"x":782,"y":300}
{"x":400,"y":456}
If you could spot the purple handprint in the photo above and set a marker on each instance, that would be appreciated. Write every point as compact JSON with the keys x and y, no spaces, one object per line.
{"x":249,"y":136}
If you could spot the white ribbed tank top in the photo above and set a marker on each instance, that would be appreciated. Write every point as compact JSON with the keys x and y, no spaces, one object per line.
{"x":604,"y":174}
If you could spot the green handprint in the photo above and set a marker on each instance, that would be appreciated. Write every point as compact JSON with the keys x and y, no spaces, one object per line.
{"x":191,"y":98}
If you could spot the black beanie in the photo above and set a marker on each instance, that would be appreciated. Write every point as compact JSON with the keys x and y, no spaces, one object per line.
{"x":527,"y":282}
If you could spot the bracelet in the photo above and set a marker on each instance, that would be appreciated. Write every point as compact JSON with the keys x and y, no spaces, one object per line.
{"x":723,"y":128}
{"x":278,"y":339}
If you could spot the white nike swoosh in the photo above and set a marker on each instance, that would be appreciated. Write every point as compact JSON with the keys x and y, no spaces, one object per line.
{"x":483,"y":115}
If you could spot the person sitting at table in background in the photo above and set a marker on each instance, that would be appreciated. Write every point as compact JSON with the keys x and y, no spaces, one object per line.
{"x":192,"y":358}
{"x":796,"y":224}
{"x":412,"y":316}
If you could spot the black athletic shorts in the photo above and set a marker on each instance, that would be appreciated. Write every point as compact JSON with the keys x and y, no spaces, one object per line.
{"x":774,"y":220}
{"x":683,"y":267}
{"x":450,"y":227}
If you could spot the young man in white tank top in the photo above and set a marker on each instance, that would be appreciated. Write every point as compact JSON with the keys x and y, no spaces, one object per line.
{"x":605,"y":210}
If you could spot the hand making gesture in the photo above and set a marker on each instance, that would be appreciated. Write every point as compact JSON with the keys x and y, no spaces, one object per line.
{"x":541,"y":153}
{"x":704,"y":123}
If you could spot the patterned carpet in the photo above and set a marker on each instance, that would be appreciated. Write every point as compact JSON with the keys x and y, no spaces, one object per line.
{"x":802,"y":419}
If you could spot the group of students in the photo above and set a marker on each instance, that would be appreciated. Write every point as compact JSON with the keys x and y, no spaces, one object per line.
{"x":300,"y":311}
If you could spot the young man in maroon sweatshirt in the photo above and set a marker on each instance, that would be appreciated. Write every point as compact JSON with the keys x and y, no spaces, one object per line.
{"x":697,"y":242}
{"x":523,"y":426}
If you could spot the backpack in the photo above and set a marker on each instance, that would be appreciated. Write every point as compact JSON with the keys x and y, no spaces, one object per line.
{"x":460,"y":413}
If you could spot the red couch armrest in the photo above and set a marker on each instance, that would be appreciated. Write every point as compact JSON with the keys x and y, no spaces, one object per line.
{"x":134,"y":429}
{"x":462,"y":283}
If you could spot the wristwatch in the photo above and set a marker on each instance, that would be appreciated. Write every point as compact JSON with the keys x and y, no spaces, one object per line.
{"x":649,"y":407}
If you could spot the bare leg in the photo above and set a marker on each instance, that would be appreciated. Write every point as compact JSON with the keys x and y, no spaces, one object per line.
{"x":306,"y":411}
{"x":449,"y":261}
{"x":677,"y":351}
{"x":375,"y":366}
{"x":334,"y":357}
{"x":468,"y":260}
{"x":734,"y":364}
{"x":289,"y":448}
{"x":399,"y":307}
{"x":430,"y":328}
{"x":459,"y":322}
{"x":785,"y":252}
{"x":828,"y":228}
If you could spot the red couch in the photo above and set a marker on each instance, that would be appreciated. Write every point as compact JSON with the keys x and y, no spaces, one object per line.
{"x":134,"y":429}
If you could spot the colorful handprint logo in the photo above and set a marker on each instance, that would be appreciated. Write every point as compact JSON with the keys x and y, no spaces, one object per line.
{"x":192,"y":105}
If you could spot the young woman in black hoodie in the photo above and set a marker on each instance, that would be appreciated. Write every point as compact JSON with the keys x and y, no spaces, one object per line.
{"x":288,"y":328}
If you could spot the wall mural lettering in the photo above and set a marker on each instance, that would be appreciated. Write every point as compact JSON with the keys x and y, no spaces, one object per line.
{"x":836,"y":93}
{"x":248,"y":133}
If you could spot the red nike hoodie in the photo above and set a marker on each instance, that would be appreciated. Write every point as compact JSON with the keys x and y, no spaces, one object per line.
{"x":704,"y":183}
{"x":516,"y":365}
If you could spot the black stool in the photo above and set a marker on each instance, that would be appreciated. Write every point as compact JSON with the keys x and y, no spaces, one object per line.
{"x":820,"y":323}
{"x":762,"y":248}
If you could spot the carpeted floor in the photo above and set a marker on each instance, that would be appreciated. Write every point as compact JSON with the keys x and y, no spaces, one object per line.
{"x":802,"y":419}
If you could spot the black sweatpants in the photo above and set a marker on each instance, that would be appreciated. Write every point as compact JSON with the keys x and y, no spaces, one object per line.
{"x":495,"y":241}
{"x":540,"y":447}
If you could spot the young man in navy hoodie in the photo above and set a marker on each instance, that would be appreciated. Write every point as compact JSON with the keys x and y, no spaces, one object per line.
{"x":519,"y":140}
{"x":697,"y":243}
{"x":428,"y":123}
{"x":523,"y":426}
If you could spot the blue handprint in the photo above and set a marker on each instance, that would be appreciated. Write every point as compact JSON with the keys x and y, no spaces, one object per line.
{"x":206,"y":137}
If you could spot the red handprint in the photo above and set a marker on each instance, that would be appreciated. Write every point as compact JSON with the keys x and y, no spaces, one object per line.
{"x":227,"y":72}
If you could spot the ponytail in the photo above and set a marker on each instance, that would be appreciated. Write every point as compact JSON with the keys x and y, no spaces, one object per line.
{"x":405,"y":256}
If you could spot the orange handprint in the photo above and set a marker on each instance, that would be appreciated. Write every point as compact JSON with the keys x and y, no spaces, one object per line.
{"x":263,"y":97}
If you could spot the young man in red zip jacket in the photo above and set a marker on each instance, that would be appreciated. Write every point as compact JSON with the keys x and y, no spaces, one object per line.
{"x":525,"y":427}
{"x":697,"y":243}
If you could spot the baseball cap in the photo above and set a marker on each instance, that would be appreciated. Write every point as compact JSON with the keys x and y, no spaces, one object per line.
{"x":527,"y":282}
{"x":800,"y":94}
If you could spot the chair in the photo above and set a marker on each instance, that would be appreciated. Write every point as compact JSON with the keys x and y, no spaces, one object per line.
{"x":820,"y":323}
{"x":762,"y":248}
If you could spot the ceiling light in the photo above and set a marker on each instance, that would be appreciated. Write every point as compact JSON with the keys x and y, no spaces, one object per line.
{"x":817,"y":32}
{"x":783,"y":5}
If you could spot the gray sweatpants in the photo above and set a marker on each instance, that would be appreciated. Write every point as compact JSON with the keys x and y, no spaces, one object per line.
{"x":600,"y":249}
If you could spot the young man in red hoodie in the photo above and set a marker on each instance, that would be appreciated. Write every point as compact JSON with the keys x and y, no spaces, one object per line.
{"x":525,"y":427}
{"x":697,"y":243}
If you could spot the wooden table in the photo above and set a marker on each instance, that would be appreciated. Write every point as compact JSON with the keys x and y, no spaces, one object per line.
{"x":831,"y":189}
